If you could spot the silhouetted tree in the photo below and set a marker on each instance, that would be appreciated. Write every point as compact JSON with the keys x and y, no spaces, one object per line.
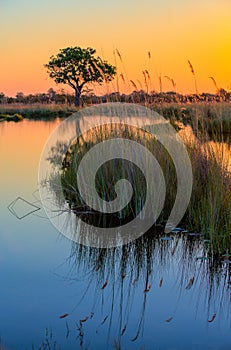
{"x":2,"y":97}
{"x":51,"y":95}
{"x":76,"y":67}
{"x":20,"y":97}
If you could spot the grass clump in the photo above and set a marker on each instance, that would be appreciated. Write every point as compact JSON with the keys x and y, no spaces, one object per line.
{"x":11,"y":117}
{"x":209,"y":210}
{"x":208,"y":120}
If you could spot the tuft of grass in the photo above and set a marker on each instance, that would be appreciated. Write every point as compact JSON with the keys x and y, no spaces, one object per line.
{"x":209,"y":210}
{"x":11,"y":117}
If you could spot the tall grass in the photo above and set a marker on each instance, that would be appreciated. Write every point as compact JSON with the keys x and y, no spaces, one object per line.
{"x":209,"y":210}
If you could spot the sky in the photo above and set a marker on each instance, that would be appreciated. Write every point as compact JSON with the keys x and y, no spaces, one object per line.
{"x":173,"y":31}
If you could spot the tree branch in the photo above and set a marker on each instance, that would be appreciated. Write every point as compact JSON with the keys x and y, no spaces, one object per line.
{"x":81,"y":85}
{"x":71,"y":84}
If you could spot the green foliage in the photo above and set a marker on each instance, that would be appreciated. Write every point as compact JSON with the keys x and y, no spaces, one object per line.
{"x":76,"y":67}
{"x":39,"y":112}
{"x":7,"y":117}
{"x":209,"y":210}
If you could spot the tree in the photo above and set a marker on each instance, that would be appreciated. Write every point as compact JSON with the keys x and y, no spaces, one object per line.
{"x":20,"y":97}
{"x":51,"y":93}
{"x":2,"y":97}
{"x":77,"y":67}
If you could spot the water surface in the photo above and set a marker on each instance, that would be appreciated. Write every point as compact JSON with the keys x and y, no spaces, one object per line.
{"x":155,"y":294}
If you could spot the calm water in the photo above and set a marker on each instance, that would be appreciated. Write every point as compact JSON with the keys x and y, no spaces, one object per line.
{"x":44,"y":275}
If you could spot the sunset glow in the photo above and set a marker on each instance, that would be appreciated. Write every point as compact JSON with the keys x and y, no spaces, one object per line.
{"x":172,"y":31}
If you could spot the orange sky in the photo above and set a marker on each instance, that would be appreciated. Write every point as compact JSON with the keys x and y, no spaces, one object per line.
{"x":172,"y":30}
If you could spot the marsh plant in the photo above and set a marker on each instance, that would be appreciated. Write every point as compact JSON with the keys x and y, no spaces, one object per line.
{"x":112,"y":171}
{"x":209,"y":210}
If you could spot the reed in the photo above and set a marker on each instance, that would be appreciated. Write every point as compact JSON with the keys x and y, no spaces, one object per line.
{"x":194,"y":76}
{"x":209,"y":210}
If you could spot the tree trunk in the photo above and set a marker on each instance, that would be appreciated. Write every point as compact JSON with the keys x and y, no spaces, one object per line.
{"x":77,"y":98}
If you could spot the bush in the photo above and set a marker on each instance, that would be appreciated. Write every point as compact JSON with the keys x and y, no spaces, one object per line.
{"x":8,"y":117}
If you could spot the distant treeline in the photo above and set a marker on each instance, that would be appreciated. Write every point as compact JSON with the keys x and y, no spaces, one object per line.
{"x":54,"y":97}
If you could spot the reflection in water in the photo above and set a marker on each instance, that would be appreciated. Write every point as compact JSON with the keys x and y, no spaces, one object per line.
{"x":121,"y":281}
{"x":118,"y":277}
{"x":209,"y":207}
{"x":67,"y":156}
{"x":187,"y":285}
{"x":221,"y":150}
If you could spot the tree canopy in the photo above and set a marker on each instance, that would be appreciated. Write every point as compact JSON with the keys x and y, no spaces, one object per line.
{"x":76,"y":66}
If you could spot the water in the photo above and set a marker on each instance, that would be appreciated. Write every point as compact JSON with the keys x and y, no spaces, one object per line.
{"x":44,"y":275}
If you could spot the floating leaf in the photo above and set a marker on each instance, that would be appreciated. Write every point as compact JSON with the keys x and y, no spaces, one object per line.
{"x":166,"y":238}
{"x":190,"y":283}
{"x":173,"y":250}
{"x":192,"y":234}
{"x":105,"y":284}
{"x":98,"y":267}
{"x":177,"y":229}
{"x":202,"y":258}
{"x":104,"y":320}
{"x":212,"y":318}
{"x":123,"y":330}
{"x":147,"y":289}
{"x":136,"y":336}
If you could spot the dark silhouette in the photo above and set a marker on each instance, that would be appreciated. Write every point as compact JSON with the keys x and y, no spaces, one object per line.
{"x":77,"y":67}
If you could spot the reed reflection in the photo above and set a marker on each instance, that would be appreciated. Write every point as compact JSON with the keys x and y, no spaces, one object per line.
{"x":124,"y":282}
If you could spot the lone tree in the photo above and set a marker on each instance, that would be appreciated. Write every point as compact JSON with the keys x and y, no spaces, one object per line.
{"x":76,"y":67}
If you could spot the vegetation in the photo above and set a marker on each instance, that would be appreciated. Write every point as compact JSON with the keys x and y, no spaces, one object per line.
{"x":207,"y":116}
{"x":88,"y":97}
{"x":203,"y":253}
{"x":35,"y":112}
{"x":11,"y":117}
{"x":209,"y":210}
{"x":204,"y":122}
{"x":77,"y":67}
{"x":212,"y":118}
